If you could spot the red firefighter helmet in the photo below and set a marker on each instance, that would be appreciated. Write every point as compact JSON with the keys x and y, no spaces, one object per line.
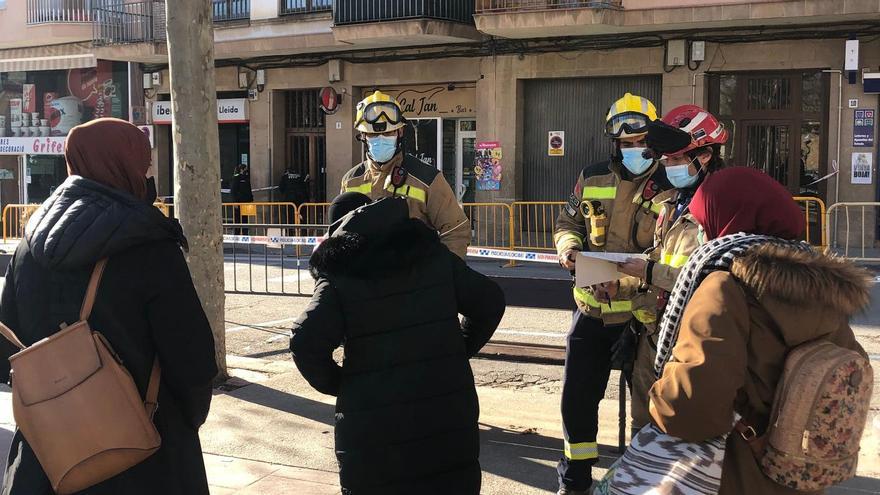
{"x":704,"y":128}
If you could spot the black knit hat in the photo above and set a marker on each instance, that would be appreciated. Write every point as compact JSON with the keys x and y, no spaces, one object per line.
{"x":345,"y":203}
{"x":373,"y":220}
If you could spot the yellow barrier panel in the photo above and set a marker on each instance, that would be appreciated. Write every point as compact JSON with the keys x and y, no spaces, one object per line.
{"x":814,"y":215}
{"x":534,"y":222}
{"x":167,"y":209}
{"x":313,"y":214}
{"x":15,"y":217}
{"x":265,"y":213}
{"x":491,"y":224}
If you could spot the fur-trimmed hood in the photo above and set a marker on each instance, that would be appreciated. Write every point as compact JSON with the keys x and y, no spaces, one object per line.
{"x":359,"y":255}
{"x":805,"y":292}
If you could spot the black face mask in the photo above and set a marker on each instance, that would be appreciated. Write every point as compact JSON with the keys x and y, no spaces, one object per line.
{"x":151,"y":190}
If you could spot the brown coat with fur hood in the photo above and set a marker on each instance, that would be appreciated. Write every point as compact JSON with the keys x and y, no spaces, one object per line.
{"x":735,"y":333}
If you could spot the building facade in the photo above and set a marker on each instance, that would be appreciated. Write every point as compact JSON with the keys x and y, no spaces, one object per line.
{"x":506,"y":97}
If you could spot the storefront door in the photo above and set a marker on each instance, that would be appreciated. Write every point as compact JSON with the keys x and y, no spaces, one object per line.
{"x":465,"y":180}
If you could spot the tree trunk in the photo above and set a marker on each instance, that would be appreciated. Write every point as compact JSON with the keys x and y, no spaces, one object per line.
{"x":197,"y":155}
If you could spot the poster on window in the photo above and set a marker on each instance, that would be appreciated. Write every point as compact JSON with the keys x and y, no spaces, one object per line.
{"x":863,"y":128}
{"x":862,"y":165}
{"x":487,"y":166}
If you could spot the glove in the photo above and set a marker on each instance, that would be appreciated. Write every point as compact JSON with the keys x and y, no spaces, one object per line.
{"x":664,"y":139}
{"x":623,"y":352}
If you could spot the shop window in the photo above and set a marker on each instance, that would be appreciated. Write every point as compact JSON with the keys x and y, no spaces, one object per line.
{"x":50,"y":103}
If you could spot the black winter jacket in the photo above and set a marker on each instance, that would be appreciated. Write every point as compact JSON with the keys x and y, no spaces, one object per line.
{"x":146,"y":305}
{"x":407,"y":409}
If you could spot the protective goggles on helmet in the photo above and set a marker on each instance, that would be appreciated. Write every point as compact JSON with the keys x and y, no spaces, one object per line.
{"x":375,"y":112}
{"x":629,"y":123}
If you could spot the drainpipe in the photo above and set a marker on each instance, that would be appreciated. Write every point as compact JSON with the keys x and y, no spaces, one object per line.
{"x":694,"y":87}
{"x":839,"y":122}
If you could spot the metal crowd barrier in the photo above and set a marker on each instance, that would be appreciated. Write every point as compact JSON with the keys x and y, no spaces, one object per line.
{"x":313,"y":214}
{"x":814,"y":215}
{"x":264,"y":258}
{"x":534,"y":222}
{"x":491,"y":224}
{"x":852,"y":230}
{"x":264,"y":213}
{"x":16,"y":216}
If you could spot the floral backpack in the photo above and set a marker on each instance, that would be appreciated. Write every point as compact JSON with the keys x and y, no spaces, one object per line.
{"x":818,"y":416}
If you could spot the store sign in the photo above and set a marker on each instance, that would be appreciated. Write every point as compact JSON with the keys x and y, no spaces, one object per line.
{"x":863,"y":128}
{"x":446,"y":101}
{"x":229,"y":111}
{"x":32,"y":146}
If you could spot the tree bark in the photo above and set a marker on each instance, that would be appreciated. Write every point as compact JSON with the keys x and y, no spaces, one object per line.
{"x":197,"y":155}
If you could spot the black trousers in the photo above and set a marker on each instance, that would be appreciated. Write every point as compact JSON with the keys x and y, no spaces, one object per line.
{"x":587,"y":367}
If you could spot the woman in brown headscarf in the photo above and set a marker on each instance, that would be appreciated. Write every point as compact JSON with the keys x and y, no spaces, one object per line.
{"x":112,"y":152}
{"x":146,"y":304}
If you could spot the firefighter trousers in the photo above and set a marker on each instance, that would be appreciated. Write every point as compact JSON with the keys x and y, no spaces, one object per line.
{"x":587,"y":367}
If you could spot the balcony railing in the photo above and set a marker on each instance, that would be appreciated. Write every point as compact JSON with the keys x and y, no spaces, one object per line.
{"x":117,"y":22}
{"x":362,"y":11}
{"x":56,"y":11}
{"x":231,"y":10}
{"x":305,"y":6}
{"x":498,"y":6}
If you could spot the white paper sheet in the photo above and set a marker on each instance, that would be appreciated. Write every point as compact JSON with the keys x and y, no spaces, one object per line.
{"x":596,"y":268}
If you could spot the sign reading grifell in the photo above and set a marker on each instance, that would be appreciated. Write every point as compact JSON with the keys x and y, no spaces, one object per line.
{"x":432,"y":101}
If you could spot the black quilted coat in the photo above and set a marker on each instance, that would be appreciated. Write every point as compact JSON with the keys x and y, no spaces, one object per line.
{"x":406,"y":409}
{"x":146,"y":305}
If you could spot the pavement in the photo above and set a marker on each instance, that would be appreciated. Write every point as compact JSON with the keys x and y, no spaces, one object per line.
{"x":269,"y":433}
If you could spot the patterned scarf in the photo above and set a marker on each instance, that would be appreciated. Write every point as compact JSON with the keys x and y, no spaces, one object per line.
{"x":716,"y":255}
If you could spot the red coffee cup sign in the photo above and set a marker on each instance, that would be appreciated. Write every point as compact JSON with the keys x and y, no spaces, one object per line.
{"x":49,"y":112}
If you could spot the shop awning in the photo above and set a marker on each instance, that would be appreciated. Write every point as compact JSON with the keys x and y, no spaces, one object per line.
{"x":54,"y":62}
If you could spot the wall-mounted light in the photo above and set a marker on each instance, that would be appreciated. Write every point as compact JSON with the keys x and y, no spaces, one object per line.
{"x":261,"y":80}
{"x":149,"y":92}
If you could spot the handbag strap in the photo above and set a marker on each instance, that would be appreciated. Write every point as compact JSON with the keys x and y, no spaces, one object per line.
{"x":150,"y":402}
{"x":92,"y":290}
{"x":9,"y":335}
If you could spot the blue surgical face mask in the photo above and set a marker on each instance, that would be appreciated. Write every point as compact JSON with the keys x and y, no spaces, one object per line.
{"x":382,"y":148}
{"x":680,"y":176}
{"x":634,"y":161}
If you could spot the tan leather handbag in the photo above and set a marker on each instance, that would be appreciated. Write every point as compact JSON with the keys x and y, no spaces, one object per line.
{"x":77,"y":405}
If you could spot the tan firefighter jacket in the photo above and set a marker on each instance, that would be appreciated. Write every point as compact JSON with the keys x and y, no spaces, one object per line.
{"x":626,"y":224}
{"x":674,"y":240}
{"x":427,"y":193}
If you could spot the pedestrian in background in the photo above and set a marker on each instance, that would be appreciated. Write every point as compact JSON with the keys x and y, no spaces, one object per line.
{"x":146,"y":304}
{"x":241,"y":193}
{"x":743,"y":302}
{"x":406,"y":409}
